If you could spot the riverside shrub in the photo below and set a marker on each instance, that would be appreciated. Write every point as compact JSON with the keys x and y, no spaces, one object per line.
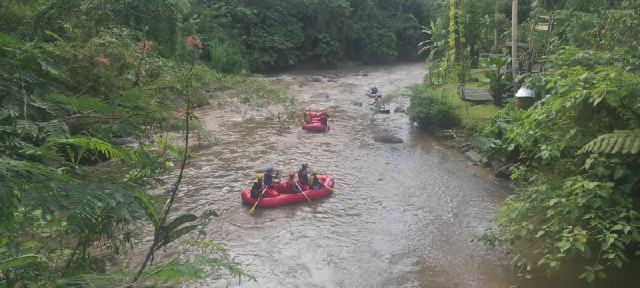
{"x":432,"y":111}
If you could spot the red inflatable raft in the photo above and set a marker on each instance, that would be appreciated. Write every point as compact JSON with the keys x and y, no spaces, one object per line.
{"x":314,"y":125}
{"x":276,"y":195}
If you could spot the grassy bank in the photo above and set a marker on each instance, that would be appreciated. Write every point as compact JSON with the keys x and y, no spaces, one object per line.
{"x":441,"y":110}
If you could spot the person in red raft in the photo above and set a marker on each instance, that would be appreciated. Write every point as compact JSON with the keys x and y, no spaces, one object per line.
{"x":291,"y":186}
{"x":324,"y":117}
{"x":257,"y":189}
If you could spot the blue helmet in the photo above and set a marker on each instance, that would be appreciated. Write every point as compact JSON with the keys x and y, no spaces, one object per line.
{"x":269,"y":169}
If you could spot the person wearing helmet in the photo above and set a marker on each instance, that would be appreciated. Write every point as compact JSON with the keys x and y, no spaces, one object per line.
{"x":256,"y":189}
{"x":303,"y":177}
{"x":374,"y":90}
{"x":324,"y":117}
{"x":306,"y":116}
{"x":315,"y":184}
{"x":290,"y":185}
{"x":268,"y":176}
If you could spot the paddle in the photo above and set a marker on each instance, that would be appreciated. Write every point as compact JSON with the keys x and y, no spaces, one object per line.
{"x":335,"y":190}
{"x":256,"y":204}
{"x":302,"y":191}
{"x":332,"y":189}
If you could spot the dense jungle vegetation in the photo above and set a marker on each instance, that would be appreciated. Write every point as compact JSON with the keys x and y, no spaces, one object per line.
{"x":576,"y":152}
{"x":88,"y":89}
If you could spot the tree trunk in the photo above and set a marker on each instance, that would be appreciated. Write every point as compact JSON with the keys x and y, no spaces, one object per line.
{"x":514,"y":39}
{"x":497,"y":99}
{"x":475,"y":55}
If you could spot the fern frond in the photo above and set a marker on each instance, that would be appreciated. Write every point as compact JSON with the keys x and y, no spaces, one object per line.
{"x":27,"y":128}
{"x":53,"y":128}
{"x":88,"y":143}
{"x":620,"y":141}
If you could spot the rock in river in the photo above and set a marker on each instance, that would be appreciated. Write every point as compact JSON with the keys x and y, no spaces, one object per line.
{"x":320,"y":95}
{"x":475,"y":157}
{"x":387,"y":138}
{"x":503,"y":173}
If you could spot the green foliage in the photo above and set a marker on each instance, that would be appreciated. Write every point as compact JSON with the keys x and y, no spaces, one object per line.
{"x":498,"y":78}
{"x":18,"y":261}
{"x":575,"y":149}
{"x":573,"y":217}
{"x":377,"y":46}
{"x":598,"y":30}
{"x":73,"y":84}
{"x":432,"y":111}
{"x":225,"y":57}
{"x":148,"y":206}
{"x":436,"y":42}
{"x":76,"y":147}
{"x":275,"y":34}
{"x":622,"y":141}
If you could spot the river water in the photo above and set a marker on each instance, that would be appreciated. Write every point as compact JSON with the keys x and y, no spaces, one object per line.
{"x":406,"y":214}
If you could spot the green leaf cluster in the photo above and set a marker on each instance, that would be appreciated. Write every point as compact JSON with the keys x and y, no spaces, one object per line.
{"x":576,"y":151}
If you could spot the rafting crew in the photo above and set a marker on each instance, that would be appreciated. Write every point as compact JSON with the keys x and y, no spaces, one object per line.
{"x":266,"y":186}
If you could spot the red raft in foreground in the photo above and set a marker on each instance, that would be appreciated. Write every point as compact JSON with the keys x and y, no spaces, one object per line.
{"x":279,"y":198}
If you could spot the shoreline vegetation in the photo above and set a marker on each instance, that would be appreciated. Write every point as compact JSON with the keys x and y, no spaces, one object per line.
{"x":575,"y":152}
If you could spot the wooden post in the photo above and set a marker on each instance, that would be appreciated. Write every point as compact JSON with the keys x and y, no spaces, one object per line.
{"x":531,"y":41}
{"x":547,"y":42}
{"x":514,"y":38}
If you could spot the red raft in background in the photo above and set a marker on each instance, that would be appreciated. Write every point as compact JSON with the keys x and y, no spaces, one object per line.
{"x":314,"y":125}
{"x":276,"y":195}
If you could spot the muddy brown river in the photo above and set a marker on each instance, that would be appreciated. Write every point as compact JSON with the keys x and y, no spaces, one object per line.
{"x":406,"y":214}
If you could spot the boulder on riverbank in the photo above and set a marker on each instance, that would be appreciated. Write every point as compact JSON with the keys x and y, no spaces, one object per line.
{"x":503,"y":173}
{"x":475,"y":157}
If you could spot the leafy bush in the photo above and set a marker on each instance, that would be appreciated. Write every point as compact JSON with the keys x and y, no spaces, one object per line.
{"x":377,"y":45}
{"x":578,"y":149}
{"x":65,"y":186}
{"x":498,"y":77}
{"x":431,"y":111}
{"x":609,"y":30}
{"x":225,"y":57}
{"x":328,"y":50}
